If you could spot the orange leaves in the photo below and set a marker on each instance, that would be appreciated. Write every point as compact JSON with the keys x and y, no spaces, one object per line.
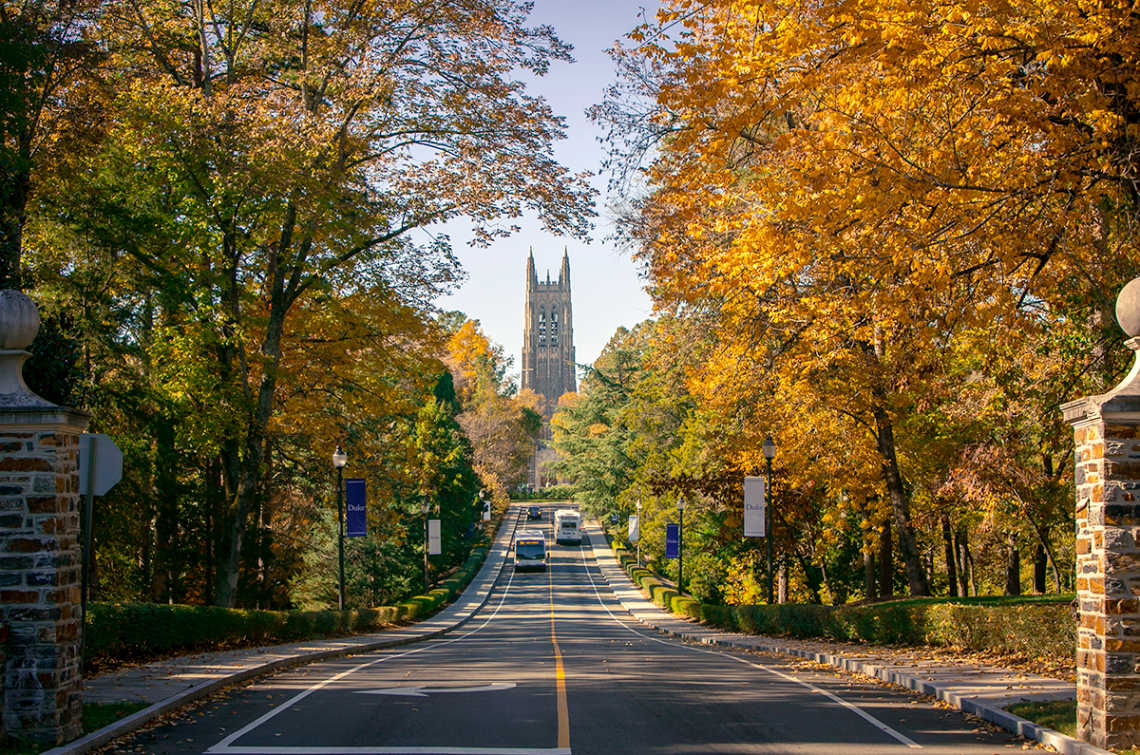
{"x":912,"y":131}
{"x":851,"y":191}
{"x":500,"y":426}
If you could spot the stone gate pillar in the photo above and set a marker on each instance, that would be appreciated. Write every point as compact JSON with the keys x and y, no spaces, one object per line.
{"x":39,"y":544}
{"x":1107,"y":478}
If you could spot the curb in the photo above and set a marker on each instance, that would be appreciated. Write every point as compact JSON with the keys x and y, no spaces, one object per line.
{"x":1062,"y":743}
{"x":139,"y":719}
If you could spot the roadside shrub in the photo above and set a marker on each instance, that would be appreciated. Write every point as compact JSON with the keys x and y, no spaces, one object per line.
{"x":122,"y":632}
{"x":1031,"y":629}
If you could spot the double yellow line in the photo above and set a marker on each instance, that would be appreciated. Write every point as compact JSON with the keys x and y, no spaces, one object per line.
{"x":559,"y":672}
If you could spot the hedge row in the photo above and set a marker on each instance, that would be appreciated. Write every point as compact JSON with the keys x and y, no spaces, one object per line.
{"x":122,"y":632}
{"x":1033,"y":630}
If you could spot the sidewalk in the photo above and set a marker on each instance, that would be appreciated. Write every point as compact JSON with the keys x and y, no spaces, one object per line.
{"x":174,"y":682}
{"x":979,"y":690}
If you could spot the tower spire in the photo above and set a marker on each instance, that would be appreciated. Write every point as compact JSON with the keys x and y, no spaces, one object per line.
{"x":548,"y":352}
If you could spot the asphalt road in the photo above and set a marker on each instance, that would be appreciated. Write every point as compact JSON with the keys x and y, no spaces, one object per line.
{"x":553,"y":665}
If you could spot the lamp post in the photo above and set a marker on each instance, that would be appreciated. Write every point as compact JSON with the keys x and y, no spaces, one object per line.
{"x":424,"y":508}
{"x":640,"y":527}
{"x":681,"y":546}
{"x":769,"y":449}
{"x":339,"y":459}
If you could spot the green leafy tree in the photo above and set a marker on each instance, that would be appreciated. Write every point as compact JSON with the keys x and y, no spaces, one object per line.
{"x":260,"y":162}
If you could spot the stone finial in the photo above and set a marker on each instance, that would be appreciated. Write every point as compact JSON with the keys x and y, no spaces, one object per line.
{"x":19,"y":320}
{"x":19,"y":323}
{"x":1128,"y":308}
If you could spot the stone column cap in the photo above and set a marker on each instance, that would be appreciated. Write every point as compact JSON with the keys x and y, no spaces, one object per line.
{"x":1123,"y":399}
{"x":31,"y":416}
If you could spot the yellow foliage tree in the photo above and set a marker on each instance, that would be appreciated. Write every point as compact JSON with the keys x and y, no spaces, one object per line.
{"x":501,"y":424}
{"x":843,"y":189}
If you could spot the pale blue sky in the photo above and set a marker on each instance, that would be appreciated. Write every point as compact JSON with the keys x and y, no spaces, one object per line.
{"x":606,"y":290}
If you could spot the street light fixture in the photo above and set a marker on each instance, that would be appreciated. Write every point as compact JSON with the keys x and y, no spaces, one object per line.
{"x":424,"y":508}
{"x":681,"y":546}
{"x":769,"y":449}
{"x":339,"y":459}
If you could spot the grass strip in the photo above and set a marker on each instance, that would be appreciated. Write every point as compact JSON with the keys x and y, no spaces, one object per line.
{"x":95,"y":717}
{"x":1058,"y":715}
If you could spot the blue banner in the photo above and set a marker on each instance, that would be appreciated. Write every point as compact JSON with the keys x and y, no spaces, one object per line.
{"x":672,"y":540}
{"x":356,"y":511}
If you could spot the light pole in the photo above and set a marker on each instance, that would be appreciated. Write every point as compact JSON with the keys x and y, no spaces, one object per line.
{"x":339,"y":459}
{"x":681,"y":546}
{"x":640,"y":527}
{"x":769,"y":449}
{"x":424,"y":507}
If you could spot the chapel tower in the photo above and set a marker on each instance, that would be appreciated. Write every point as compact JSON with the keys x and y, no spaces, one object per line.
{"x":548,"y":349}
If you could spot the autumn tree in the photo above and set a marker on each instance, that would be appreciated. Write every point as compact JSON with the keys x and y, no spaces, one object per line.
{"x":269,"y":158}
{"x":590,"y":429}
{"x":501,"y":423}
{"x":46,"y":54}
{"x":845,"y":190}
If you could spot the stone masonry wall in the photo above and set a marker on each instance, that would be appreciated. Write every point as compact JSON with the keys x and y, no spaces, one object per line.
{"x":1107,"y":477}
{"x":40,"y":581}
{"x":3,"y":645}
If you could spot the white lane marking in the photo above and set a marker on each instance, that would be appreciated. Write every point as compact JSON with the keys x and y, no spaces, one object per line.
{"x":425,"y":691}
{"x":850,"y":706}
{"x":226,"y":746}
{"x":399,"y":751}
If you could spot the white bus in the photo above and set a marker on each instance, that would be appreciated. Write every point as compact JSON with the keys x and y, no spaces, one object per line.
{"x":567,"y":526}
{"x":530,"y":550}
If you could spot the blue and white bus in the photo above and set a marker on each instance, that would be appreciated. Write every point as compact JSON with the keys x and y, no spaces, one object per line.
{"x":530,"y":550}
{"x":567,"y":526}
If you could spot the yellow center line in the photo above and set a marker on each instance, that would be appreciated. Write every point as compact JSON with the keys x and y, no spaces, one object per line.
{"x":559,"y":672}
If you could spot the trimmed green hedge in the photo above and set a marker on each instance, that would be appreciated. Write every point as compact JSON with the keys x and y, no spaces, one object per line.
{"x":1033,"y":629}
{"x":121,"y":632}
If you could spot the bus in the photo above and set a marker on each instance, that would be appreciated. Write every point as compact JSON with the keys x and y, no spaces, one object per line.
{"x":567,"y":526}
{"x":530,"y":550}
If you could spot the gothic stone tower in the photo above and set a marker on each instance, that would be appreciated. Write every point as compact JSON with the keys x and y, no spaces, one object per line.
{"x":548,"y":349}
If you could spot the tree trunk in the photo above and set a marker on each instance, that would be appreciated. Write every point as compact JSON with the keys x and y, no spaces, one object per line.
{"x":948,"y":552}
{"x":827,"y":583}
{"x":252,"y":456}
{"x":265,"y":542}
{"x":215,"y":504}
{"x":869,"y":591}
{"x":1044,"y":545}
{"x":166,"y":511}
{"x":900,"y":504}
{"x":146,"y":558}
{"x":1047,"y":467}
{"x":810,"y":578}
{"x":231,"y":529}
{"x":1040,"y":570}
{"x":886,"y":561}
{"x":1012,"y":567}
{"x":966,"y":585}
{"x":782,"y":582}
